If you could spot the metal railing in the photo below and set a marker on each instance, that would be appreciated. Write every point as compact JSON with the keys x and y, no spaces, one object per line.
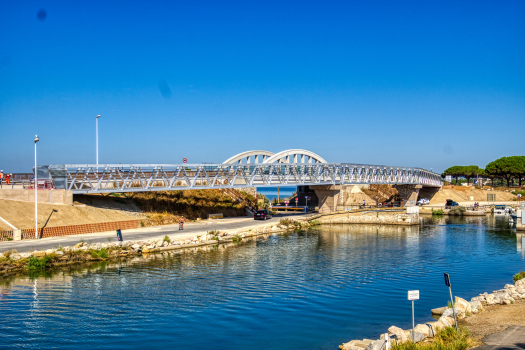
{"x":90,"y":178}
{"x":45,"y":184}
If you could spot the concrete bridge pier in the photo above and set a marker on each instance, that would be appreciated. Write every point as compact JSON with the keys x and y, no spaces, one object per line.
{"x":329,"y":196}
{"x":408,"y":193}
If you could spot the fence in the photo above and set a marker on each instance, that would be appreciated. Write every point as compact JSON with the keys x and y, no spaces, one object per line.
{"x":72,"y":230}
{"x":25,"y":184}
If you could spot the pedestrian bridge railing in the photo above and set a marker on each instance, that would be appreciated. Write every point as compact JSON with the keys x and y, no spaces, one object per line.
{"x":105,"y":178}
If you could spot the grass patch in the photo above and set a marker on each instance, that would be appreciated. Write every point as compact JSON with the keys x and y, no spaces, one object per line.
{"x":99,"y":254}
{"x":236,"y":238}
{"x":285,"y":222}
{"x":35,"y":263}
{"x":315,"y":222}
{"x":167,"y":239}
{"x":437,"y":212}
{"x":446,"y":339}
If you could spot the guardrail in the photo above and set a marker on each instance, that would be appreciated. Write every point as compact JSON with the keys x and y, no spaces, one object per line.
{"x":45,"y":184}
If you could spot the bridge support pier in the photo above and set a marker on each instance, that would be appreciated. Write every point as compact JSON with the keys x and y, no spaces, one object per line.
{"x":329,"y":196}
{"x":408,"y":193}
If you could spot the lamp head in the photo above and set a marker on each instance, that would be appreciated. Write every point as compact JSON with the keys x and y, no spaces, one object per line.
{"x":36,"y":138}
{"x":98,"y":116}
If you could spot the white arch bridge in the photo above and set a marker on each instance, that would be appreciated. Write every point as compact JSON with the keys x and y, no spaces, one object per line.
{"x":287,"y":168}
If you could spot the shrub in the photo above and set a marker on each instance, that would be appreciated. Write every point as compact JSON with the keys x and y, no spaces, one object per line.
{"x":167,"y":239}
{"x":314,"y":222}
{"x":437,"y":212}
{"x":285,"y":222}
{"x":518,"y":276}
{"x":459,"y":210}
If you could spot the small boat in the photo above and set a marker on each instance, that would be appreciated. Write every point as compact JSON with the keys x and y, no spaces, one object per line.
{"x":500,"y":210}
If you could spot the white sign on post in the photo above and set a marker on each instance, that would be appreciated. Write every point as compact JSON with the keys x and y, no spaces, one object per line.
{"x":413,"y":295}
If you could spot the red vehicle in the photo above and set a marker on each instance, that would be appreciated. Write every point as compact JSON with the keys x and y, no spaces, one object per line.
{"x":262,"y":214}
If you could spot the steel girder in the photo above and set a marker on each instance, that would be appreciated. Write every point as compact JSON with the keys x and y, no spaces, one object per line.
{"x":90,"y":178}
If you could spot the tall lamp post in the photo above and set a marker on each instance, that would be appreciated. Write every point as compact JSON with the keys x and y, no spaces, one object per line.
{"x":36,"y":195}
{"x":98,"y":116}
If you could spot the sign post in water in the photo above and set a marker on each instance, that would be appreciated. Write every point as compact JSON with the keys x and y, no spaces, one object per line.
{"x":413,"y":295}
{"x":447,"y":283}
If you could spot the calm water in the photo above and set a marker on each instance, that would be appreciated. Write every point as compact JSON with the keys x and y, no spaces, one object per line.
{"x":271,"y":192}
{"x":304,"y":290}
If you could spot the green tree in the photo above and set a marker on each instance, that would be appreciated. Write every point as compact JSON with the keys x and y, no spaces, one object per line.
{"x":454,"y":171}
{"x":471,"y":171}
{"x":507,"y":168}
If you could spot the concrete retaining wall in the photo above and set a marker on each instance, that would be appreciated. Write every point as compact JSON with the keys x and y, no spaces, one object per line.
{"x":44,"y":196}
{"x":382,"y":219}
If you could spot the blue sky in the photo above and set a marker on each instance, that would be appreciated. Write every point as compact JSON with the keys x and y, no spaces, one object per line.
{"x":416,"y":83}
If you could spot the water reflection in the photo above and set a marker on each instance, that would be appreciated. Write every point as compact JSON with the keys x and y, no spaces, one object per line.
{"x":302,"y":290}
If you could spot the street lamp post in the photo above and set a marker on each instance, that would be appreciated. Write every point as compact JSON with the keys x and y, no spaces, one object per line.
{"x":36,"y":195}
{"x":98,"y":116}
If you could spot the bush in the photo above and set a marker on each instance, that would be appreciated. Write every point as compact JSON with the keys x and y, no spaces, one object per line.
{"x":459,"y":210}
{"x":315,"y":222}
{"x":437,"y":212}
{"x":518,"y":276}
{"x":446,"y":339}
{"x":167,"y":239}
{"x":285,"y":222}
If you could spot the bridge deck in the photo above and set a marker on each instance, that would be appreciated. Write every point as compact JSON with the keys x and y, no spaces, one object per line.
{"x":105,"y":178}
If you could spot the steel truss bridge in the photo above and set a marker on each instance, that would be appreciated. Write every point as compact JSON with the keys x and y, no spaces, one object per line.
{"x":307,"y":168}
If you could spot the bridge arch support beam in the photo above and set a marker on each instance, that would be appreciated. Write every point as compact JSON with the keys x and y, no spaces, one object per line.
{"x":284,"y":157}
{"x":260,"y":157}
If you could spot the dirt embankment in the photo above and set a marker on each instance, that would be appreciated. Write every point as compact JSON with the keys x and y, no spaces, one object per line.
{"x":103,"y":209}
{"x":496,"y":319}
{"x":155,"y":208}
{"x":463,"y":194}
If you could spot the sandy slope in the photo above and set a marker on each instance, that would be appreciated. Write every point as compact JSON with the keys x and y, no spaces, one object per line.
{"x":21,"y":214}
{"x":463,"y":194}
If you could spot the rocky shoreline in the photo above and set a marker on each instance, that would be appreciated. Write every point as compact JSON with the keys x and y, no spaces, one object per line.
{"x":463,"y":309}
{"x":14,"y":262}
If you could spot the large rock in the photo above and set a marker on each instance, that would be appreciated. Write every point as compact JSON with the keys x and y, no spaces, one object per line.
{"x":135,"y":246}
{"x":376,"y":345}
{"x":490,"y":299}
{"x":356,"y":344}
{"x":439,"y":310}
{"x":463,"y":306}
{"x":59,"y":252}
{"x":39,"y":254}
{"x":398,"y":333}
{"x":445,"y":321}
{"x":417,"y":336}
{"x":434,"y":327}
{"x":78,"y":245}
{"x":476,"y":306}
{"x":520,"y":282}
{"x":15,"y":256}
{"x":49,"y":251}
{"x":450,"y":312}
{"x":424,"y":329}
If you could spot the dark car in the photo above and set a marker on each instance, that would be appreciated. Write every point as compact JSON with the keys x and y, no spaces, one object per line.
{"x":262,"y":215}
{"x":451,"y":203}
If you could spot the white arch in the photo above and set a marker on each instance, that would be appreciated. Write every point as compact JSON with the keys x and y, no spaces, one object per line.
{"x":246,"y":155}
{"x":284,"y":156}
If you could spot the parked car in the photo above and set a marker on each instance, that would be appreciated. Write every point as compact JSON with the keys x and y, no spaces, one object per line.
{"x":451,"y":203}
{"x":423,"y":201}
{"x":262,"y":214}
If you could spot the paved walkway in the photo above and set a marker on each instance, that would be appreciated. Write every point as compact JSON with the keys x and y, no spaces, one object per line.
{"x":191,"y":229}
{"x":511,"y":338}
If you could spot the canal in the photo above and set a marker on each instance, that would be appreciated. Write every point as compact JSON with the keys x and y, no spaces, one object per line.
{"x":311,"y":289}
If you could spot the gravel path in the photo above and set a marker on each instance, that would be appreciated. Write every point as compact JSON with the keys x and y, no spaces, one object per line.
{"x":496,"y":318}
